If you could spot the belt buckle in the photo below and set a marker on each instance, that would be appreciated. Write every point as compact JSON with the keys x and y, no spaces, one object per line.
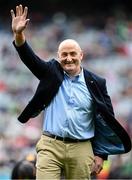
{"x":66,"y":140}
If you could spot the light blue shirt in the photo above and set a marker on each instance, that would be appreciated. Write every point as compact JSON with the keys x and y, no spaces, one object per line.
{"x":70,"y":114}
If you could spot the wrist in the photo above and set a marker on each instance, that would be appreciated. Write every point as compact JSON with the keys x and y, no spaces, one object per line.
{"x":103,"y":156}
{"x":19,"y":38}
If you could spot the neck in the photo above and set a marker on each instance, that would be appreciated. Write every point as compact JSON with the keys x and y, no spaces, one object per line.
{"x":72,"y":74}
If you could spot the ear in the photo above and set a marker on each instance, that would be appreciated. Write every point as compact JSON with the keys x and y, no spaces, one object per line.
{"x":81,"y":55}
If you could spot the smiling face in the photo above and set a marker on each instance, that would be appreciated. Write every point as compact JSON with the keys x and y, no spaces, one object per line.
{"x":70,"y":56}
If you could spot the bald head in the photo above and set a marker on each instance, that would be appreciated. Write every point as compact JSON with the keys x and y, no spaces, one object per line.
{"x":70,"y":56}
{"x":69,"y":43}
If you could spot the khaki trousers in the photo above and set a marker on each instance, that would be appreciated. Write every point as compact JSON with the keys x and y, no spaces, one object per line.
{"x":53,"y":155}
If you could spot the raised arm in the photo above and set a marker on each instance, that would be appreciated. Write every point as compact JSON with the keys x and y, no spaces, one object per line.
{"x":19,"y":24}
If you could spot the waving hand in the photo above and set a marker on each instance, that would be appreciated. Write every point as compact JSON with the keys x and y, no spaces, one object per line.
{"x":19,"y":21}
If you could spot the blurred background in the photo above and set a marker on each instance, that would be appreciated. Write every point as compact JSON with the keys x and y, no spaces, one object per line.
{"x":104,"y":31}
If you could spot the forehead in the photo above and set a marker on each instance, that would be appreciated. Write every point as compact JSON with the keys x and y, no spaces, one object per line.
{"x":69,"y":46}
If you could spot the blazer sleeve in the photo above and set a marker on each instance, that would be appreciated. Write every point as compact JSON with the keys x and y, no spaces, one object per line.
{"x":36,"y":65}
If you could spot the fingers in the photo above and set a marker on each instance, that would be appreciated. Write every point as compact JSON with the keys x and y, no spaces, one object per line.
{"x":97,"y":169}
{"x":12,"y":14}
{"x":20,"y":11}
{"x":16,"y":10}
{"x":27,"y":20}
{"x":25,"y":12}
{"x":97,"y":165}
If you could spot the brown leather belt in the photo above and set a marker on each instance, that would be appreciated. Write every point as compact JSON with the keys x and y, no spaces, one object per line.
{"x":64,"y":139}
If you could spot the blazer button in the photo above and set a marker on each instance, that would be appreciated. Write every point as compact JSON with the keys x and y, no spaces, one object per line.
{"x":91,"y":81}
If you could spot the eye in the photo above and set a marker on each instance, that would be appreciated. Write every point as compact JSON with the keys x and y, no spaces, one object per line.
{"x":73,"y":53}
{"x":64,"y":54}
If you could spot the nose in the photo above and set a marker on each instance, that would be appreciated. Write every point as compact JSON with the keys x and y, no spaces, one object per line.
{"x":69,"y":58}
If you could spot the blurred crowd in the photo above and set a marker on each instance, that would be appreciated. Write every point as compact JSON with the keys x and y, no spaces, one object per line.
{"x":107,"y":45}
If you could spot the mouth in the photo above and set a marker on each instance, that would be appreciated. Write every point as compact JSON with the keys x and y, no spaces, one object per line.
{"x":69,"y":62}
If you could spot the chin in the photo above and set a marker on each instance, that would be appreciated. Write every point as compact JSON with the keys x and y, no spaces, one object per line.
{"x":69,"y":69}
{"x":70,"y":72}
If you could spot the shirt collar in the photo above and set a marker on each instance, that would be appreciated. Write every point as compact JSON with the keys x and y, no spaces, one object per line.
{"x":78,"y":76}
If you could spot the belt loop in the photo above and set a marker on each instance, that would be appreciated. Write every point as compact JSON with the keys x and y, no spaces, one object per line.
{"x":63,"y":139}
{"x":55,"y":137}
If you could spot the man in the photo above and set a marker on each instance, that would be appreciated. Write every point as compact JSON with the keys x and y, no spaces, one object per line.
{"x":80,"y":129}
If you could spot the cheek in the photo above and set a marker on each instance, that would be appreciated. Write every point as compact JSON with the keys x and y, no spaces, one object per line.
{"x":62,"y":61}
{"x":77,"y":62}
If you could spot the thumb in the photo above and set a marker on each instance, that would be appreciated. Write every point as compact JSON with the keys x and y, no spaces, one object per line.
{"x":98,"y":168}
{"x":27,"y":21}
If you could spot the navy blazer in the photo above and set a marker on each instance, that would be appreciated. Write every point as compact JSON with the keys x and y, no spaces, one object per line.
{"x":110,"y":137}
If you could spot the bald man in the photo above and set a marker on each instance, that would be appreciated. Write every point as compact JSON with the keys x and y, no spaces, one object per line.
{"x":79,"y":129}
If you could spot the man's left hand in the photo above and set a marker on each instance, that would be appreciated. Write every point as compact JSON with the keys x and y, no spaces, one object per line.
{"x":98,"y":165}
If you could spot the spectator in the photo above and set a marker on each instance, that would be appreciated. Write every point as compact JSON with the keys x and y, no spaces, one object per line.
{"x":23,"y":170}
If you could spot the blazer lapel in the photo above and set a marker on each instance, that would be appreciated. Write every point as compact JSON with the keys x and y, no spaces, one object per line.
{"x":93,"y":88}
